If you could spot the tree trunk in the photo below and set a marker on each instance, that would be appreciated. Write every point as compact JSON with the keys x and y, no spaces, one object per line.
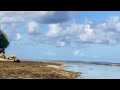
{"x":2,"y":53}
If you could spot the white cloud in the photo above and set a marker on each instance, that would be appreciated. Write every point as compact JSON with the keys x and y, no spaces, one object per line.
{"x":107,"y":32}
{"x":37,"y":16}
{"x":78,"y":53}
{"x":32,"y":19}
{"x":54,"y":30}
{"x":32,"y":27}
{"x":62,"y":33}
{"x":18,"y":36}
{"x":60,"y":43}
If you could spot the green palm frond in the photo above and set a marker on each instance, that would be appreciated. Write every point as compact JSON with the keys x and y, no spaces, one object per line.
{"x":3,"y":40}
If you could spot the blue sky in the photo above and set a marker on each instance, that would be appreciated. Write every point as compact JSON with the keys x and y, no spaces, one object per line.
{"x":63,"y":35}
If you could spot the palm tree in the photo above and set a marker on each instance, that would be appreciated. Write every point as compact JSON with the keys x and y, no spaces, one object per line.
{"x":4,"y":43}
{"x":3,"y":40}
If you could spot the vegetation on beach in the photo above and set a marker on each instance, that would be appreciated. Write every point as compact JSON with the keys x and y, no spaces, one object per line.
{"x":34,"y":70}
{"x":4,"y":42}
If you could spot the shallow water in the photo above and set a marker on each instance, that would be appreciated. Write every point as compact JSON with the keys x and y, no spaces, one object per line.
{"x":92,"y":71}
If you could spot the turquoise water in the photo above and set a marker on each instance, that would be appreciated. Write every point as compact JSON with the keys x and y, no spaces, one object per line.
{"x":92,"y":71}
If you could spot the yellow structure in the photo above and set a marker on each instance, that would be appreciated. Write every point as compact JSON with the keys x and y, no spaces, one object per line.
{"x":12,"y":57}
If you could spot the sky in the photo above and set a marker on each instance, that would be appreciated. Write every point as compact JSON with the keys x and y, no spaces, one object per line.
{"x":63,"y":35}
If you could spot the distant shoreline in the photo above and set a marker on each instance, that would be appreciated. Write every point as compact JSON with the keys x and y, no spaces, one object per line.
{"x":92,"y":62}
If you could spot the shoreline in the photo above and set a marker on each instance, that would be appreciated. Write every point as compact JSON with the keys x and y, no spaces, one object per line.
{"x":35,"y":70}
{"x":92,"y":62}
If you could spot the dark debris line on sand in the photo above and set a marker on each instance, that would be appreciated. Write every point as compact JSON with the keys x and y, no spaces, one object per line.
{"x":34,"y":70}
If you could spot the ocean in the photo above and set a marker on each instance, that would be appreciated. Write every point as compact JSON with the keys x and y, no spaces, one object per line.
{"x":92,"y":71}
